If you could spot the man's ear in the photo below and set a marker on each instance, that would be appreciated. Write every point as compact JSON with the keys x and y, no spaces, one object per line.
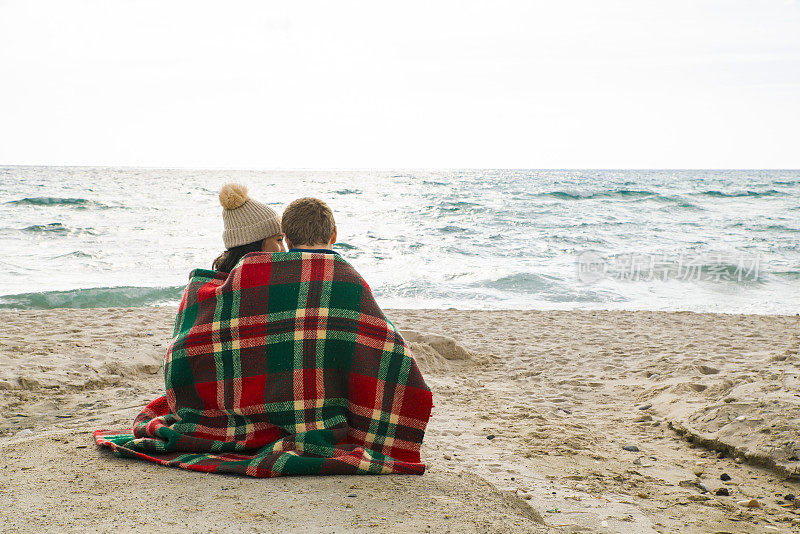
{"x":289,"y":245}
{"x":333,"y":236}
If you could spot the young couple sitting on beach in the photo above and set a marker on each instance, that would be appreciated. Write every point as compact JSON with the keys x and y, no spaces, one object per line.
{"x":281,"y":362}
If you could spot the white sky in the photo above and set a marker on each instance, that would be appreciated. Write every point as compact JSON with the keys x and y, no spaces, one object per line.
{"x":525,"y":84}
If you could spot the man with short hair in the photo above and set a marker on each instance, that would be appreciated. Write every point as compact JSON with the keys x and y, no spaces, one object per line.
{"x":308,"y":225}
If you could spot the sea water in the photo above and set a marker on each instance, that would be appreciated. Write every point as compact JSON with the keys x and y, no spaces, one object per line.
{"x":697,"y":240}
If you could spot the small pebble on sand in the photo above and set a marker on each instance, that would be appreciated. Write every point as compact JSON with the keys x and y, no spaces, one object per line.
{"x":724,"y":477}
{"x":789,"y":497}
{"x":491,"y":436}
{"x":722,"y":492}
{"x":752,"y":503}
{"x":631,"y":448}
{"x":645,"y":406}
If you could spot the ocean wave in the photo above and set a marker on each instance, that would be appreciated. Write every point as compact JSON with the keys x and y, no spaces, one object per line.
{"x":459,"y":206}
{"x":548,"y":288}
{"x":679,"y":203}
{"x":528,"y":282}
{"x":791,"y":275}
{"x":56,"y":228}
{"x":95,"y":297}
{"x":731,"y":272}
{"x":720,"y":194}
{"x":764,"y":227}
{"x":451,"y":229}
{"x":58,"y":201}
{"x":74,"y":254}
{"x":622,"y":194}
{"x":781,"y":228}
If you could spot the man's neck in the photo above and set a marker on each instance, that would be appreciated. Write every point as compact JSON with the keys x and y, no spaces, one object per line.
{"x":326,"y":246}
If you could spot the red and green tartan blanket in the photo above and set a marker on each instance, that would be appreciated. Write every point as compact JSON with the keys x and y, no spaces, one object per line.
{"x":285,"y":366}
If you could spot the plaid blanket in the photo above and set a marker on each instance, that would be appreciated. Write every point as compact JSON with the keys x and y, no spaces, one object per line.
{"x":285,"y":366}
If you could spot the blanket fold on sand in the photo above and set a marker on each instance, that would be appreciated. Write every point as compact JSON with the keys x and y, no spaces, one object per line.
{"x":285,"y":366}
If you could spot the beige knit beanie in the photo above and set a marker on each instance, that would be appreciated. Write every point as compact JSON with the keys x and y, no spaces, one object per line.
{"x":246,"y":221}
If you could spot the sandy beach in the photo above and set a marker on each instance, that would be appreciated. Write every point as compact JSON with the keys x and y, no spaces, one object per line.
{"x":544,"y":421}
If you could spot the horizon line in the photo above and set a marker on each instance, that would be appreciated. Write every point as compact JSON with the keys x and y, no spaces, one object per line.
{"x":381,"y":169}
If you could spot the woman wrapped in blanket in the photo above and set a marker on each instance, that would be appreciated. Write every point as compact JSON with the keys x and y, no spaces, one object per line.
{"x":250,"y":226}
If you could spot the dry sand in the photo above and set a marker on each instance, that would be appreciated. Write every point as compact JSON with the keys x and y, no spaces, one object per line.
{"x":533,"y":409}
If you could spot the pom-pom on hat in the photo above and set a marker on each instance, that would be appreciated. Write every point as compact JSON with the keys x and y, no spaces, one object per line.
{"x":246,"y":220}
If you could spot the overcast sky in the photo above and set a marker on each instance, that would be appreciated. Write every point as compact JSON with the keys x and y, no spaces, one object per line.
{"x":525,"y":84}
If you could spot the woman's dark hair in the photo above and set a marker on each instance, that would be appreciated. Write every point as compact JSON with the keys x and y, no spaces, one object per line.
{"x":228,"y":259}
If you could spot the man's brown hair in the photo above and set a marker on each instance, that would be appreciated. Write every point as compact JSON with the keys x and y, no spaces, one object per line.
{"x":308,"y":221}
